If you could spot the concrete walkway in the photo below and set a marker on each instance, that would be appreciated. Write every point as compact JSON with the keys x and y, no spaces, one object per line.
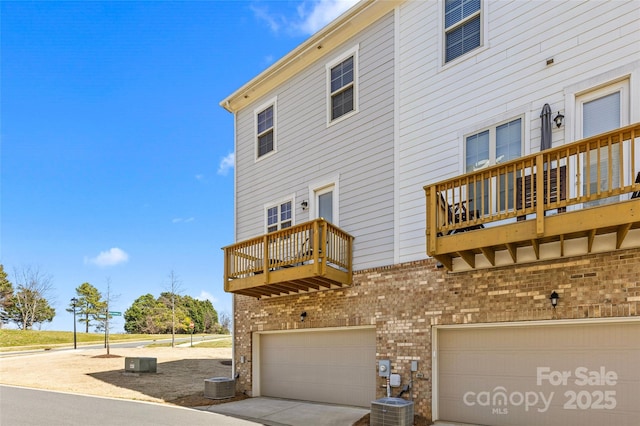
{"x":284,"y":412}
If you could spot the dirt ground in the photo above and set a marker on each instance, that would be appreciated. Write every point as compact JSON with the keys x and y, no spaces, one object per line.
{"x":179,"y":379}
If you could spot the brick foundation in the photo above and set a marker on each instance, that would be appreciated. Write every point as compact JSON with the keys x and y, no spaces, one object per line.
{"x":403,"y":301}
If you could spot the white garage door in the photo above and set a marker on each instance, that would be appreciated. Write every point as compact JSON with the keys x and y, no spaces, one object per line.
{"x":337,"y":366}
{"x":562,"y":374}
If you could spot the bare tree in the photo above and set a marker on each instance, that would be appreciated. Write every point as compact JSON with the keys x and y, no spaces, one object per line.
{"x":104,"y":321}
{"x":174,"y":288}
{"x":30,"y":302}
{"x":225,"y":322}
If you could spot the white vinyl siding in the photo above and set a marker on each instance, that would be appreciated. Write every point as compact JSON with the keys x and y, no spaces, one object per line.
{"x":508,"y":77}
{"x":359,"y":150}
{"x":435,"y":109}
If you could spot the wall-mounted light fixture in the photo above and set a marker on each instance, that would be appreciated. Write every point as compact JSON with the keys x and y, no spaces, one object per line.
{"x":558,"y":119}
{"x":554,"y":299}
{"x":304,"y":204}
{"x":303,"y":316}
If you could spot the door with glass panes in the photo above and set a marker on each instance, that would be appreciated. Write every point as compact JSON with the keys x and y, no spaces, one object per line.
{"x":600,"y":111}
{"x":325,"y":203}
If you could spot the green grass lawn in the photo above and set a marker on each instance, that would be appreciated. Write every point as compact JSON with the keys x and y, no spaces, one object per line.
{"x":199,"y":341}
{"x":35,"y":339}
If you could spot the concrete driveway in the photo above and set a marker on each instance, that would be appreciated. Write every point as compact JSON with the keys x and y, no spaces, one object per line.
{"x":284,"y":412}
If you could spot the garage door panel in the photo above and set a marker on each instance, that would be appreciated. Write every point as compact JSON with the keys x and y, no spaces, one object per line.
{"x":570,"y":374}
{"x":337,"y":366}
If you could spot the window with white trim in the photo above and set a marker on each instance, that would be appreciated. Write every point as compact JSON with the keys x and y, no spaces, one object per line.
{"x":342,"y":80}
{"x":462,"y":27}
{"x":265,"y":131}
{"x":494,"y":145}
{"x":279,"y":216}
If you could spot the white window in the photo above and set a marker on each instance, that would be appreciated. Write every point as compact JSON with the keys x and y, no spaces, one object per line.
{"x":462,"y":27}
{"x":279,"y":216}
{"x":599,"y":111}
{"x":265,"y":126}
{"x":494,"y":145}
{"x":342,"y":81}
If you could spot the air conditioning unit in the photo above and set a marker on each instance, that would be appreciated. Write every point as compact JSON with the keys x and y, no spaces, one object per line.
{"x":219,"y":388}
{"x":391,"y":412}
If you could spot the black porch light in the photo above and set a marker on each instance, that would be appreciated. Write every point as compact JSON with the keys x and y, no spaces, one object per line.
{"x":558,"y":119}
{"x":303,"y":316}
{"x":554,"y":299}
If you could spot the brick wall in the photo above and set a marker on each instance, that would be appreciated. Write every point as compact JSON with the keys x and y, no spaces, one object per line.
{"x":403,"y":302}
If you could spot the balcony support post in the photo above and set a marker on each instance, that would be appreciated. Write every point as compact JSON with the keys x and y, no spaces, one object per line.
{"x":540,"y":195}
{"x":431,"y":220}
{"x":350,"y":258}
{"x":316,"y":246}
{"x":324,"y":247}
{"x":227,"y":259}
{"x":266,"y":260}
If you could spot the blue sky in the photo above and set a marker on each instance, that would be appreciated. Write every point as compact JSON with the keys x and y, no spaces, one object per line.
{"x":116,"y":159}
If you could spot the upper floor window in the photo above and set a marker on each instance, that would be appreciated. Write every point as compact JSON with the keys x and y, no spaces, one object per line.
{"x":265,"y":130}
{"x":342,"y":76}
{"x":279,"y":216}
{"x":462,"y":27}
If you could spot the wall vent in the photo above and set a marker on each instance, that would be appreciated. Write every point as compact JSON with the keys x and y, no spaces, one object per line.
{"x":391,"y":412}
{"x":219,"y":388}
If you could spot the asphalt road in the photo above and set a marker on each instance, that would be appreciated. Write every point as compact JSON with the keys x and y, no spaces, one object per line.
{"x":32,"y":407}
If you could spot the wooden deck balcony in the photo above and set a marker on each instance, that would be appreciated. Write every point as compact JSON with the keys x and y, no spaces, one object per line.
{"x":287,"y":261}
{"x":575,"y":199}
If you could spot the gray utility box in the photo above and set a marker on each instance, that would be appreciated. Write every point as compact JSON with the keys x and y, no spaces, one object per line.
{"x":141,"y":365}
{"x":219,"y":388}
{"x":391,"y":412}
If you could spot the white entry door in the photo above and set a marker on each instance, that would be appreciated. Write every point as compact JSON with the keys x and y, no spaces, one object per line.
{"x":600,"y":111}
{"x":326,"y":204}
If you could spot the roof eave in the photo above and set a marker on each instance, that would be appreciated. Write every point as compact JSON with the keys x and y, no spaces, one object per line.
{"x":318,"y":45}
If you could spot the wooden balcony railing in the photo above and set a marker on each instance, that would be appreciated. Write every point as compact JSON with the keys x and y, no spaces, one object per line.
{"x":306,"y":257}
{"x":505,"y":205}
